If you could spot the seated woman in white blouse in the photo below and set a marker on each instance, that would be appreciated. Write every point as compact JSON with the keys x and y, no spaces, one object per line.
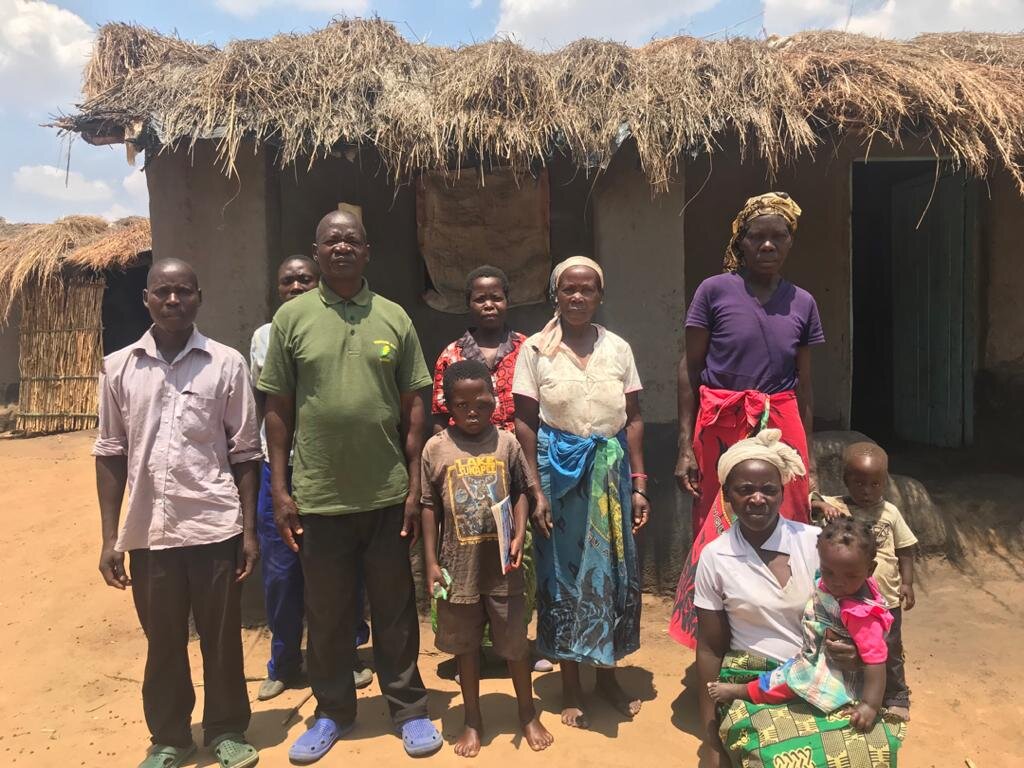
{"x":752,"y":586}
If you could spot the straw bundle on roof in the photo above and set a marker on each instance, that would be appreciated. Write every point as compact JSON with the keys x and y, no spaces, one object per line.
{"x":124,"y":49}
{"x":596,"y":77}
{"x":999,"y":50}
{"x":117,"y":248}
{"x":326,"y":81}
{"x":9,"y":229}
{"x":494,"y":100}
{"x":697,"y":90}
{"x":970,"y":110}
{"x":425,"y":107}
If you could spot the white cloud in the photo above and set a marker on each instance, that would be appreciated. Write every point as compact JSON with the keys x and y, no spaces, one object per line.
{"x":248,"y":8}
{"x":553,"y":23}
{"x":117,"y":211}
{"x":51,"y":192}
{"x":56,"y":184}
{"x":135,"y":186}
{"x":894,"y":18}
{"x":42,"y":51}
{"x":475,"y":3}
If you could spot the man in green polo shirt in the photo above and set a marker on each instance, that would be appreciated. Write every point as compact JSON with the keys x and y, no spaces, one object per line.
{"x":344,"y":372}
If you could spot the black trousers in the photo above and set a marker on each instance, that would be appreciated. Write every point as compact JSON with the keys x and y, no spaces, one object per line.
{"x":166,"y":585}
{"x":897,"y":694}
{"x":332,"y":546}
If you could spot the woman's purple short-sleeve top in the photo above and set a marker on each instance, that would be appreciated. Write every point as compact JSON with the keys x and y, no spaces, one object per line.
{"x":753,"y":346}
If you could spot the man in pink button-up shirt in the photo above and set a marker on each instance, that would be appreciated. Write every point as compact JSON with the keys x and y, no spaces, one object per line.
{"x":178,"y":427}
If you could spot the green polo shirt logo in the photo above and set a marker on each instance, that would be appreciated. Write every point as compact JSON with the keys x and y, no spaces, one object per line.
{"x":385,"y":351}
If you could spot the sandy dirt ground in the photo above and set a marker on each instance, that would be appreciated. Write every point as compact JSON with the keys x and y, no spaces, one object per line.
{"x":73,"y":656}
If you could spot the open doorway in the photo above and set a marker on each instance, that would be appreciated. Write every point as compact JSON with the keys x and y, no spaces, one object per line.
{"x":913,"y":330}
{"x":125,"y":318}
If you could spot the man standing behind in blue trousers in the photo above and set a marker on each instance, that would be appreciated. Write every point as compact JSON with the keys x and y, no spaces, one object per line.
{"x":282,"y":572}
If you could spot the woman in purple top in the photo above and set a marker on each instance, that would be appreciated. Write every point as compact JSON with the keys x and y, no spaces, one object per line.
{"x":747,"y":366}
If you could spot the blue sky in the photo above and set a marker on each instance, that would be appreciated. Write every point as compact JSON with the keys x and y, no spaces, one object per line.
{"x":43,"y":46}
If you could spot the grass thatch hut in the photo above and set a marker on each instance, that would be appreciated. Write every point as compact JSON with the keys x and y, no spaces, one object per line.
{"x":907,"y":157}
{"x":64,"y":276}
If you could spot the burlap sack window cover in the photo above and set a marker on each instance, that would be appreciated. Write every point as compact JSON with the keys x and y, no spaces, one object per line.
{"x":462,"y":225}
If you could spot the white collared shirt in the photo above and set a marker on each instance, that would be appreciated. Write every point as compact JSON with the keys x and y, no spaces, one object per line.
{"x":182,"y":425}
{"x":582,"y":400}
{"x":763,"y":616}
{"x":258,"y":356}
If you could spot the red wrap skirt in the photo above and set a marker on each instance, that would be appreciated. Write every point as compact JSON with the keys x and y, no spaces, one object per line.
{"x":726,"y":417}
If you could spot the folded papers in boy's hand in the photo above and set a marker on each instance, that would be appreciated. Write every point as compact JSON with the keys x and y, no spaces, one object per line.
{"x":505,"y":524}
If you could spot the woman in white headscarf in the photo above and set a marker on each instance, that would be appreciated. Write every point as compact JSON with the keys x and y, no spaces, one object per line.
{"x":578,"y":419}
{"x":751,"y":591}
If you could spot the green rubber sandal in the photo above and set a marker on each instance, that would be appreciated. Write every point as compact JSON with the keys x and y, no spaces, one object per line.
{"x":233,"y":751}
{"x":164,"y":756}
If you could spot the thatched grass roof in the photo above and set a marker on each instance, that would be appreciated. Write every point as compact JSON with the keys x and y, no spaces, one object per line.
{"x":40,"y":252}
{"x":116,"y":248}
{"x":9,"y":229}
{"x":360,"y":81}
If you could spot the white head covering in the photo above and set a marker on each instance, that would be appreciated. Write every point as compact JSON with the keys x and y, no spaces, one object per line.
{"x":766,"y":445}
{"x":551,"y":334}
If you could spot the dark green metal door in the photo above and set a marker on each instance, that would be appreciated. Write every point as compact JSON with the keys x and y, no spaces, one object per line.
{"x":932,"y":317}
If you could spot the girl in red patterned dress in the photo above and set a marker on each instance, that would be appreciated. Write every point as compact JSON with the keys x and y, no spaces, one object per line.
{"x":489,"y":340}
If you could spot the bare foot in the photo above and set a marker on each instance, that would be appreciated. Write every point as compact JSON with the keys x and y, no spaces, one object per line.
{"x":862,"y":716}
{"x":572,"y":711}
{"x":726,"y":693}
{"x":574,"y":717}
{"x":468,"y":744}
{"x":537,"y":736}
{"x":572,"y":697}
{"x":610,"y":690}
{"x":902,"y":714}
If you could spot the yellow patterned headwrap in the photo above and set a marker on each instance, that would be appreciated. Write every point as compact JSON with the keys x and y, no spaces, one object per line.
{"x":768,"y":204}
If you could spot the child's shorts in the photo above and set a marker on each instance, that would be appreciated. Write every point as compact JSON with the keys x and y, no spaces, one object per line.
{"x":460,"y":626}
